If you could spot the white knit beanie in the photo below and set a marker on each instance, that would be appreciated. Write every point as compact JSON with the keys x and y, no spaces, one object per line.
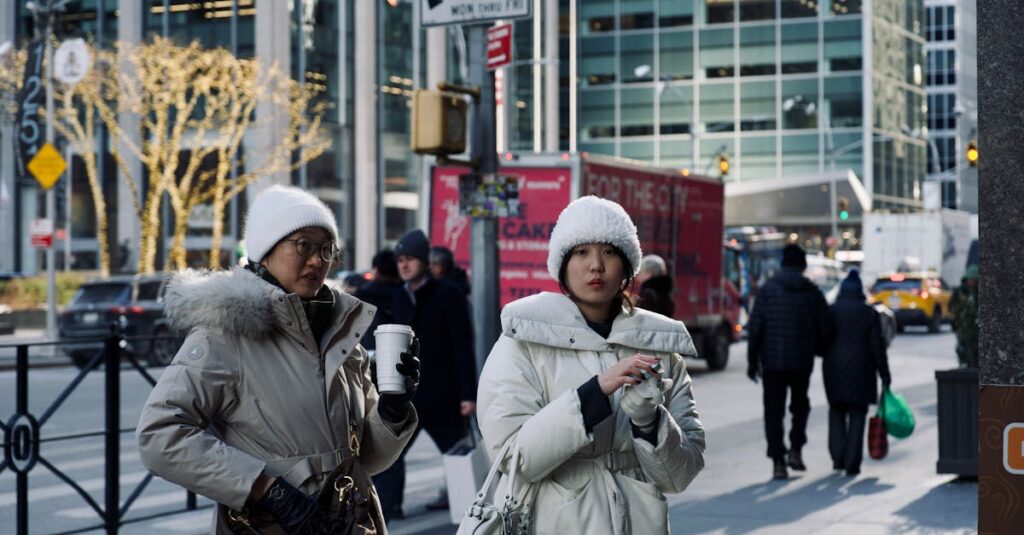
{"x":277,"y":212}
{"x":592,"y":219}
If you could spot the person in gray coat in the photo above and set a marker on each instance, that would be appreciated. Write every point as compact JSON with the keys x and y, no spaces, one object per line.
{"x":269,"y":403}
{"x":856,"y":356}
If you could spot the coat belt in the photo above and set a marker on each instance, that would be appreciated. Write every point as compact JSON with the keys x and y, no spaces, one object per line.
{"x":296,"y":470}
{"x":615,"y":461}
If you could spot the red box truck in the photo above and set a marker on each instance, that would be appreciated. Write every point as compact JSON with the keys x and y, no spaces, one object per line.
{"x":678,"y":217}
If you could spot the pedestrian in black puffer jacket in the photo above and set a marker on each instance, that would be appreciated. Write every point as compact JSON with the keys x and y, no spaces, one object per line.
{"x":856,"y":355}
{"x":786,"y":329}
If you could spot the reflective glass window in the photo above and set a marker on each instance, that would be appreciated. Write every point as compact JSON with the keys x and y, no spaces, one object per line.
{"x":799,"y":8}
{"x":637,"y":114}
{"x":677,"y":153}
{"x":845,"y":7}
{"x":637,"y":58}
{"x":757,"y":10}
{"x":757,"y":50}
{"x":757,"y":157}
{"x":597,"y":60}
{"x":719,"y":11}
{"x":849,"y":149}
{"x":717,"y":107}
{"x":675,"y":50}
{"x":597,"y":113}
{"x":800,"y":104}
{"x":637,"y":150}
{"x":843,"y":49}
{"x":675,"y":13}
{"x":757,"y":106}
{"x":843,"y":96}
{"x":716,"y":53}
{"x":636,"y":14}
{"x":599,"y":147}
{"x":799,"y":48}
{"x":676,"y":111}
{"x":799,"y":154}
{"x":597,"y":16}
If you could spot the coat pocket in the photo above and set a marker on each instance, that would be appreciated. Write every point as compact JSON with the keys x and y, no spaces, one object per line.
{"x":559,"y":509}
{"x":648,"y":509}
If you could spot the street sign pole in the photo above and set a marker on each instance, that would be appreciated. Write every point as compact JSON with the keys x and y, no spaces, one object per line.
{"x":51,"y":195}
{"x":484,"y":230}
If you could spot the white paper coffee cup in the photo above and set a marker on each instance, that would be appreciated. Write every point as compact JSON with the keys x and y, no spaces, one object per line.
{"x":392,"y":340}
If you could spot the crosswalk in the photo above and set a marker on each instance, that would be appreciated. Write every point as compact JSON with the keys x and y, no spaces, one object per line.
{"x":55,"y":506}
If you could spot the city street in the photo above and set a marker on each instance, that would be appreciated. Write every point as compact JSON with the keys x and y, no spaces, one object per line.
{"x":734,"y":494}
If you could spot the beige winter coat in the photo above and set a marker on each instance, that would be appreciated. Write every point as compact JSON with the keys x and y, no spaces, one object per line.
{"x":249,"y":392}
{"x":606,"y":482}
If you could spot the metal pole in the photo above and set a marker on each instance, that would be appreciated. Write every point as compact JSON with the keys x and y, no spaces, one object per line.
{"x":112,"y":364}
{"x":21,"y":406}
{"x":484,"y":231}
{"x":300,"y":49}
{"x":832,"y":187}
{"x":51,"y":197}
{"x":67,"y":209}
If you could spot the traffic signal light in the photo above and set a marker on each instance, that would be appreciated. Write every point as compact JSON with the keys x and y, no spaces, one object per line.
{"x":438,"y":123}
{"x":844,"y":208}
{"x":972,"y":153}
{"x":723,"y":164}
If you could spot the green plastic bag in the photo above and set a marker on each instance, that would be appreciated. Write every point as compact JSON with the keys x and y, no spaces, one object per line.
{"x":899,"y":419}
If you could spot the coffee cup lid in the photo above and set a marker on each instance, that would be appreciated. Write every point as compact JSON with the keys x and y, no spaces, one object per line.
{"x":393,"y":328}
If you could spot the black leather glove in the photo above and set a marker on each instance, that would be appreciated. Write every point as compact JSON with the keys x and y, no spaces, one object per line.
{"x":296,"y":512}
{"x":754,"y":373}
{"x":395,"y":407}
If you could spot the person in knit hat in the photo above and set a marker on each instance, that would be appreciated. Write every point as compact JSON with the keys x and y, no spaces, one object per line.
{"x":271,"y":390}
{"x":786,"y":329}
{"x":438,"y":313}
{"x":593,"y":392}
{"x":855,"y":359}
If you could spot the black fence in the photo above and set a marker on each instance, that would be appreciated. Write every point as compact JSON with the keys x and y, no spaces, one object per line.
{"x":23,"y":434}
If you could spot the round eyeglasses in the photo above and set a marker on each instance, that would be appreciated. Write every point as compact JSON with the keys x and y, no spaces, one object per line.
{"x":327,"y":250}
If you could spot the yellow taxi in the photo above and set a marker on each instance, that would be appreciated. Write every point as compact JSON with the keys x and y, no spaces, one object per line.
{"x":917,"y":298}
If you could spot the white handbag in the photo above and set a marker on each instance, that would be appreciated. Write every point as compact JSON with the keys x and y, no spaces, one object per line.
{"x":511,"y":517}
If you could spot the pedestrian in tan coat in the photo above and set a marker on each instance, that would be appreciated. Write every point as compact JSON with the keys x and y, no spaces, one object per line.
{"x":271,"y":391}
{"x":593,"y":393}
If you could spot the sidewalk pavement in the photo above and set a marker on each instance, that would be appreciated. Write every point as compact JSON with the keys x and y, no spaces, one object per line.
{"x":44,"y":356}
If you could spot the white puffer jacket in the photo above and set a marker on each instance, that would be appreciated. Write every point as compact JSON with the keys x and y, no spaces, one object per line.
{"x":607,"y":481}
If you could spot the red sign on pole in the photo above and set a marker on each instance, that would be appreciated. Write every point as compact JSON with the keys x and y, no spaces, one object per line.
{"x":499,"y":46}
{"x":41,"y":233}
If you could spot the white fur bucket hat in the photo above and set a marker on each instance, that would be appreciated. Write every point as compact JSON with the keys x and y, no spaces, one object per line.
{"x":592,"y":219}
{"x":277,"y":212}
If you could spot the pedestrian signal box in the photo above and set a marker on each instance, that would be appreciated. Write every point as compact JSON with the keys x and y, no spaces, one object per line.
{"x":844,"y":208}
{"x":438,"y":123}
{"x":723,"y":164}
{"x":972,"y":153}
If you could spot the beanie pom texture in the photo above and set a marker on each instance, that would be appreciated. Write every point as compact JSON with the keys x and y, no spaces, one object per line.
{"x":592,"y":219}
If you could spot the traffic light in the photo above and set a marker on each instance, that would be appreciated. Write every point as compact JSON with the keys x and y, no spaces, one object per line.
{"x":844,"y":208}
{"x":438,"y":123}
{"x":972,"y":153}
{"x":723,"y":164}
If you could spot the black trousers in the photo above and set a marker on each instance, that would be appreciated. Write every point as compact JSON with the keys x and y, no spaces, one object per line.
{"x":390,"y":483}
{"x":776,"y":385}
{"x":846,"y":435}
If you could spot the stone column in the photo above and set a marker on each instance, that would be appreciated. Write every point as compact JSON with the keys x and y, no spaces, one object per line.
{"x":552,"y":113}
{"x":273,"y":48}
{"x":1000,"y":191}
{"x":367,"y":198}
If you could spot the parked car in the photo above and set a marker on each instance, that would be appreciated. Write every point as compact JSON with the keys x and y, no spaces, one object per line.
{"x":135,"y":303}
{"x":917,"y":298}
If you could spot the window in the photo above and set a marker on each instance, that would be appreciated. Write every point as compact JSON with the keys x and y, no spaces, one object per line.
{"x":940,"y":23}
{"x":940,"y":111}
{"x":675,"y":13}
{"x":757,"y":106}
{"x":636,"y":14}
{"x":845,"y":7}
{"x":941,"y":67}
{"x":103,"y":293}
{"x":757,"y":50}
{"x":799,"y":8}
{"x":843,"y":98}
{"x":597,"y":60}
{"x":843,"y":45}
{"x":597,"y":114}
{"x":757,"y":10}
{"x":716,"y":54}
{"x":800,"y":104}
{"x":799,"y":48}
{"x":675,"y":51}
{"x":637,"y":112}
{"x":799,"y":154}
{"x":676,"y":112}
{"x":637,"y":58}
{"x":149,"y":291}
{"x":719,"y":11}
{"x":597,"y":16}
{"x":757,"y":155}
{"x":716,"y":108}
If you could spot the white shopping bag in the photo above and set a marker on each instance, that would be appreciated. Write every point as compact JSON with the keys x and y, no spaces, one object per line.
{"x":465,"y":467}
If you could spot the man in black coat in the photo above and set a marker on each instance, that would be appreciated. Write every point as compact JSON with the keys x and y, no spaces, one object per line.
{"x":856,"y":355}
{"x":785,"y":331}
{"x":655,"y":286}
{"x":438,"y":313}
{"x":380,"y":292}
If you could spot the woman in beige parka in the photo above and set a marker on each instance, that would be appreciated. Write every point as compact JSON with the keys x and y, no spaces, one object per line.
{"x":271,"y":391}
{"x":599,"y":449}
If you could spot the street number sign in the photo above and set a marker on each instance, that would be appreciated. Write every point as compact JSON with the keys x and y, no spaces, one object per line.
{"x":47,"y":166}
{"x":446,"y":12}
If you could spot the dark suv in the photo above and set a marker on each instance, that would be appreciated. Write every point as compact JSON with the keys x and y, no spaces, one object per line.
{"x":98,"y":304}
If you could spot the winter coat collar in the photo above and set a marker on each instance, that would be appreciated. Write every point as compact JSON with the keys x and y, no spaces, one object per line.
{"x":793,"y":279}
{"x":238,"y":302}
{"x":554,"y":320}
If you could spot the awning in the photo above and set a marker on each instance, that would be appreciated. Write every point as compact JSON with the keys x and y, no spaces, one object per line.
{"x":798,"y":200}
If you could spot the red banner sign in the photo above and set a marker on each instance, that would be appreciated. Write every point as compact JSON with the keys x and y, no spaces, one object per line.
{"x":499,"y":46}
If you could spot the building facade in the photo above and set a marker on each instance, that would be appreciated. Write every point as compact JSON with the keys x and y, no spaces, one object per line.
{"x":952,"y":88}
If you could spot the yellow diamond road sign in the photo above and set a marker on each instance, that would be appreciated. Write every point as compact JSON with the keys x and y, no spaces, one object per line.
{"x":47,"y":166}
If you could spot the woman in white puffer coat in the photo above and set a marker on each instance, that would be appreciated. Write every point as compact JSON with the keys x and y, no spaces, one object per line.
{"x":598,"y":449}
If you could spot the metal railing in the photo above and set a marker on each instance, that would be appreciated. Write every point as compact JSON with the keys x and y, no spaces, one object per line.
{"x":23,"y":435}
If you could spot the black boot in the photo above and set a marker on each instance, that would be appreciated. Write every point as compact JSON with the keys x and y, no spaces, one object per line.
{"x":780,"y":472}
{"x":795,"y":460}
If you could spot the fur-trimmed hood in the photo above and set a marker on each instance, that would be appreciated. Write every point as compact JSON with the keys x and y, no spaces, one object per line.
{"x":238,"y":302}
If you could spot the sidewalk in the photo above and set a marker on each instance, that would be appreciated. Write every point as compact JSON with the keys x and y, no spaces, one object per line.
{"x":45,"y":356}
